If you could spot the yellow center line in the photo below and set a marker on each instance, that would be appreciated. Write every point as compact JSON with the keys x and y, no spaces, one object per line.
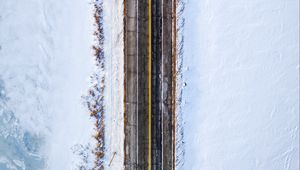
{"x":149,"y":85}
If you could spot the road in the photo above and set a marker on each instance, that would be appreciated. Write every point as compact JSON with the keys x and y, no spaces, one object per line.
{"x":149,"y":63}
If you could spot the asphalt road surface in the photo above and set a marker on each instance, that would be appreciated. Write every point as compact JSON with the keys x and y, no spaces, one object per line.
{"x":149,"y":81}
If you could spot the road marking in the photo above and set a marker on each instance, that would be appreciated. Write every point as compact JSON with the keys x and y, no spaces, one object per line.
{"x":125,"y":79}
{"x":174,"y":86}
{"x":149,"y":85}
{"x":162,"y":83}
{"x":137,"y":83}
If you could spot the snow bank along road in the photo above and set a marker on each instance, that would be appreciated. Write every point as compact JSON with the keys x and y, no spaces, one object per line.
{"x":148,"y":85}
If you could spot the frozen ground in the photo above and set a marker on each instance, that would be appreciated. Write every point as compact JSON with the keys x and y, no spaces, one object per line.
{"x":241,"y":103}
{"x":45,"y":62}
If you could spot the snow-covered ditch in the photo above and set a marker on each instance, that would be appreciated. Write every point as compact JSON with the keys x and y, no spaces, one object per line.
{"x":241,"y":102}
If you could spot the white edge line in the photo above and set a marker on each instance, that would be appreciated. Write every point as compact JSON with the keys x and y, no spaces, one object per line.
{"x":137,"y":84}
{"x":162,"y":78}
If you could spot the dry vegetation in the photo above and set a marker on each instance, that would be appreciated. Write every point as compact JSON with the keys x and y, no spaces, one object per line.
{"x":95,"y":98}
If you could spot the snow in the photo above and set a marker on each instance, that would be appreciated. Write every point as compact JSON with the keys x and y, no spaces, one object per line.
{"x":114,"y":92}
{"x":45,"y":62}
{"x":240,"y":106}
{"x":241,"y":102}
{"x":72,"y":64}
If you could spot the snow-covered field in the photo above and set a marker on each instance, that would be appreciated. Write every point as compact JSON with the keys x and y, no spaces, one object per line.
{"x":45,"y":63}
{"x":241,"y":102}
